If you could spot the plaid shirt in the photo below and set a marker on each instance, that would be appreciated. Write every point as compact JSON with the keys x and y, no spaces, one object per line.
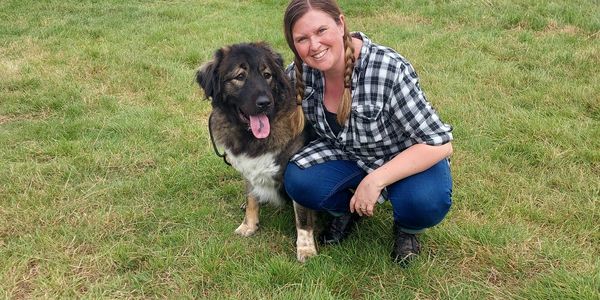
{"x":389,"y":112}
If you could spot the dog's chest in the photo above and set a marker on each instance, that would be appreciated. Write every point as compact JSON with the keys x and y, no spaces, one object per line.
{"x":262,"y":173}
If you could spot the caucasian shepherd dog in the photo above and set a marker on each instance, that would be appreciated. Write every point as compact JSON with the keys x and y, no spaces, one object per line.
{"x":251,"y":119}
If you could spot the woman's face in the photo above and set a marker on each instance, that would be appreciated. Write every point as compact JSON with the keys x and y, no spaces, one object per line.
{"x":319,"y":41}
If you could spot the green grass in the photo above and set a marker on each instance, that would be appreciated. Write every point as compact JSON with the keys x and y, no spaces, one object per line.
{"x":109,"y":187}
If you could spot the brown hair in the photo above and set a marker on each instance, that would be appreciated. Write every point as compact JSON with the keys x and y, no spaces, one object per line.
{"x":295,"y":10}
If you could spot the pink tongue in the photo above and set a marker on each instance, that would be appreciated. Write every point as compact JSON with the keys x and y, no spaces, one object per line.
{"x":260,"y":126}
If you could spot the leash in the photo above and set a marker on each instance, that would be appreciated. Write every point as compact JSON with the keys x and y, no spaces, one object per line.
{"x":212,"y":140}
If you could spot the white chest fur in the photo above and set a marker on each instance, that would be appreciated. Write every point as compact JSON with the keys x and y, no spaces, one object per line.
{"x":260,"y":172}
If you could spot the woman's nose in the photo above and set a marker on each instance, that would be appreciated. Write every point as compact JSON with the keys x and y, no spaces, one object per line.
{"x":314,"y":43}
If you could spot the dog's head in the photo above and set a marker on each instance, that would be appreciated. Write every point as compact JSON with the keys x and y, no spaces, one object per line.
{"x":248,"y":83}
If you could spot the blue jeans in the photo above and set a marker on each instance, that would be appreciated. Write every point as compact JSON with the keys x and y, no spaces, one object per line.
{"x":419,"y":201}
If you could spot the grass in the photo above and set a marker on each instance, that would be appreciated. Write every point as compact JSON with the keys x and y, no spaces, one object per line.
{"x":109,"y":187}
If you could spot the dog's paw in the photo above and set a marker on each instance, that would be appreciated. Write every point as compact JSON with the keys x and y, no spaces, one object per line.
{"x":304,"y":253}
{"x":246,"y":230}
{"x":305,"y":245}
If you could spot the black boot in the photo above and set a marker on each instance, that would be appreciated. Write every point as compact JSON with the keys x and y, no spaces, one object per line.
{"x":338,"y":229}
{"x":406,"y":246}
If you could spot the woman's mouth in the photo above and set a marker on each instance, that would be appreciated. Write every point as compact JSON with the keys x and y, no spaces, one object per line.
{"x":320,"y":54}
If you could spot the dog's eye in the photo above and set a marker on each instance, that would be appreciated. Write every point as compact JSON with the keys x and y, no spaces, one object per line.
{"x":267,"y":75}
{"x":240,"y":77}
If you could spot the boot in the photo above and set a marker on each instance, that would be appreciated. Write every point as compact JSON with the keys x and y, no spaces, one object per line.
{"x":406,"y":246}
{"x":339,"y":228}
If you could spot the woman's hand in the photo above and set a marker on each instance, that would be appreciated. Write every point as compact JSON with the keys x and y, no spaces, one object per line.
{"x":365,"y":197}
{"x":414,"y":159}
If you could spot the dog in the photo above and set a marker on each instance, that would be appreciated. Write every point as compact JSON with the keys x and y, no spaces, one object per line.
{"x":251,"y":119}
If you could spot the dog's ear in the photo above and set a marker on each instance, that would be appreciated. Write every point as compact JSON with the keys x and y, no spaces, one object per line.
{"x":278,"y":58}
{"x":205,"y":77}
{"x":208,"y":77}
{"x":274,"y":54}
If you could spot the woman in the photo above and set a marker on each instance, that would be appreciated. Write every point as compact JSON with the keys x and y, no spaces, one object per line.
{"x":377,"y":137}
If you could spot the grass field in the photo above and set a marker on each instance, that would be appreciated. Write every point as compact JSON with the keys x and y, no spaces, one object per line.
{"x":109,"y":187}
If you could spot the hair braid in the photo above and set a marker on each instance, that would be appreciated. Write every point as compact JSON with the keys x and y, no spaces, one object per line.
{"x":343,"y":112}
{"x":298,"y":115}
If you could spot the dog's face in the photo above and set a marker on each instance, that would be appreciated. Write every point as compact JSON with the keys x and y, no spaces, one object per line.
{"x":247,"y":82}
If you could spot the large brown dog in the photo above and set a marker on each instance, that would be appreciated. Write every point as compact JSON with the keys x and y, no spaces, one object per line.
{"x":252,"y":103}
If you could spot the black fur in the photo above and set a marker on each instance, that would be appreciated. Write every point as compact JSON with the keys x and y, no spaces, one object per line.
{"x":229,"y":97}
{"x":248,"y":80}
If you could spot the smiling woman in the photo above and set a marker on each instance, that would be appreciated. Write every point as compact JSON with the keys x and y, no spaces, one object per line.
{"x":386,"y":139}
{"x":318,"y":40}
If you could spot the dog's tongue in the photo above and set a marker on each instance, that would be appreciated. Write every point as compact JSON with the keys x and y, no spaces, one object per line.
{"x":260,"y":126}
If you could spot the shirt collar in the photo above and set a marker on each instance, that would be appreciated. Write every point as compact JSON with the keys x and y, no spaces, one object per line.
{"x":365,"y":50}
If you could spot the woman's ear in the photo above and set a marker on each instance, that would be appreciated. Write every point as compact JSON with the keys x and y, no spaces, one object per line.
{"x":342,"y":23}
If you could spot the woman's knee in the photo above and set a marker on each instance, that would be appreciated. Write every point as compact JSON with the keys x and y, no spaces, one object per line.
{"x":299,"y":184}
{"x":422,"y":208}
{"x":323,"y":186}
{"x":293,"y":180}
{"x":424,"y":199}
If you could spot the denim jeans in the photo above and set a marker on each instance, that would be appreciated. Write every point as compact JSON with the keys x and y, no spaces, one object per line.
{"x":418,"y":201}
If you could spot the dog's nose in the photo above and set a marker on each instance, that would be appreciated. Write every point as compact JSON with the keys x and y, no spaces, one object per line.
{"x":262,"y":102}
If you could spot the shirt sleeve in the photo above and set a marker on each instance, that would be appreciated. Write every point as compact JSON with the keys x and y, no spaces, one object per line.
{"x":414,"y":113}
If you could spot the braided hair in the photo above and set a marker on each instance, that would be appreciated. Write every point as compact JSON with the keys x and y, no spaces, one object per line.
{"x":344,"y":109}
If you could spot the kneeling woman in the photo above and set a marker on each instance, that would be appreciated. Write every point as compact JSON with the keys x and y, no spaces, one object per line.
{"x":377,"y":135}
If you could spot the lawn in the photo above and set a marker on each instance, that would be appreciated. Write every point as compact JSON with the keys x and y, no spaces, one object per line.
{"x":109,"y":187}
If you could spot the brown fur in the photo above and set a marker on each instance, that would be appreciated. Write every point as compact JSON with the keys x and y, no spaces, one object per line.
{"x":244,"y":80}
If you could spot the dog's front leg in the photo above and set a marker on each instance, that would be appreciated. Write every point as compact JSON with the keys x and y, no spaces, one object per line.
{"x":250,"y":223}
{"x":305,"y":224}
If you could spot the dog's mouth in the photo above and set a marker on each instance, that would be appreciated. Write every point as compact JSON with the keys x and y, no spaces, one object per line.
{"x":259,"y":124}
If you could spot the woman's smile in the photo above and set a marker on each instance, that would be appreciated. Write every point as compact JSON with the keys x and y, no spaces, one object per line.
{"x":320,"y":54}
{"x":318,"y":40}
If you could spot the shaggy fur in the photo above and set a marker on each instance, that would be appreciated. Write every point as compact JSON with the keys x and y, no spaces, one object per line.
{"x":252,"y":103}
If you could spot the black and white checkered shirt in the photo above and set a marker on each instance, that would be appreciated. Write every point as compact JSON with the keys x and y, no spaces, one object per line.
{"x":389,"y":112}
